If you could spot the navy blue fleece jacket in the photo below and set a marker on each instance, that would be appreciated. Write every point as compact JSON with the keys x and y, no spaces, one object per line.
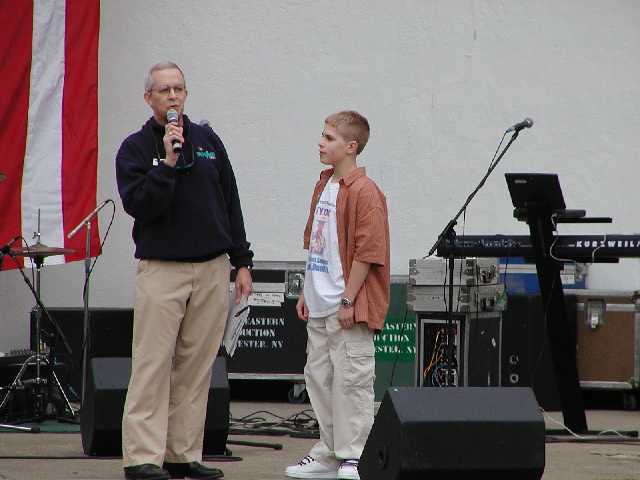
{"x":192,"y":214}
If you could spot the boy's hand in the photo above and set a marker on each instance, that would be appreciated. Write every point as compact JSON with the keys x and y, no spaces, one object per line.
{"x":301,"y":309}
{"x":345,"y":317}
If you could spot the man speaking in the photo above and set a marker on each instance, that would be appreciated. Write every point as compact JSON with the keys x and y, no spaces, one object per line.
{"x":176,"y":181}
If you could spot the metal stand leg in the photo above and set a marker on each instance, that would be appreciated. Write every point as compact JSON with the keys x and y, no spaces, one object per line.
{"x":40,"y":385}
{"x":57,"y":383}
{"x":40,"y":411}
{"x":10,"y":389}
{"x":20,"y":429}
{"x":16,"y":381}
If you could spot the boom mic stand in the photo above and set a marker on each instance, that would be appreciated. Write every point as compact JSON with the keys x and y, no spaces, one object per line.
{"x":85,"y":294}
{"x":448,"y":234}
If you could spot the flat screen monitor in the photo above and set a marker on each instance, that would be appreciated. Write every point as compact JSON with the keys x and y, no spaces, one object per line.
{"x":541,"y":188}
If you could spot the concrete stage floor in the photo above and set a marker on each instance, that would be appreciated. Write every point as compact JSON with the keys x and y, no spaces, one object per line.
{"x":564,"y":460}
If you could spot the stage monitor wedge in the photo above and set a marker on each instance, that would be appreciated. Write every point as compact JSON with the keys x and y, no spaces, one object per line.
{"x":455,"y":433}
{"x":101,"y":414}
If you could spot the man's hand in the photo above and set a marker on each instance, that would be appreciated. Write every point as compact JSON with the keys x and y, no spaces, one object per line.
{"x":244,"y":284}
{"x":345,"y":317}
{"x":172,"y":132}
{"x":301,"y":309}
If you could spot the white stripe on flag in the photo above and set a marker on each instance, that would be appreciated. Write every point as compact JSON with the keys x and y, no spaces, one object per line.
{"x":42,"y":177}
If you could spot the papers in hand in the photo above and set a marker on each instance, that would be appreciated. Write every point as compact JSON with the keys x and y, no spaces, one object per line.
{"x":236,"y":319}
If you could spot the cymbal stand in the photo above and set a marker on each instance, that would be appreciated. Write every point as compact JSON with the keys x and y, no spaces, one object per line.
{"x":44,"y":358}
{"x":39,"y":358}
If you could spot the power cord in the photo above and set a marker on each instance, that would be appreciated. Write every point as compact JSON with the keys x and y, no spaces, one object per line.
{"x":599,"y":437}
{"x":302,"y":424}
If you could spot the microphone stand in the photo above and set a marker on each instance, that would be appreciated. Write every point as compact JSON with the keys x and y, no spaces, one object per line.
{"x":86,"y":222}
{"x":448,"y":234}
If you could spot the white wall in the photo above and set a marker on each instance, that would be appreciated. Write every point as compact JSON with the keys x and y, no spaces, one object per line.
{"x":439,"y":82}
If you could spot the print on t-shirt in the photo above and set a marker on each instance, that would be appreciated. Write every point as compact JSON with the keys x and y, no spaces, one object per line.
{"x":318,"y":241}
{"x":324,"y":282}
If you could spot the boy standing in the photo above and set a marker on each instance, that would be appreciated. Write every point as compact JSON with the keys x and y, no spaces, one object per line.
{"x":345,"y":300}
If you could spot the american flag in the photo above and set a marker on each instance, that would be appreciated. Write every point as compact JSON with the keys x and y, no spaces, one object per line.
{"x":48,"y":121}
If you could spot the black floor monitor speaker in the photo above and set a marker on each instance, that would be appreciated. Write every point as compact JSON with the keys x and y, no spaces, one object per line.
{"x":106,"y":389}
{"x":101,"y":412}
{"x":455,"y":433}
{"x":216,"y":425}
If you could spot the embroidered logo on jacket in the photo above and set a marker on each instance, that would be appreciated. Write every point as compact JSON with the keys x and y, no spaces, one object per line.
{"x":206,"y":154}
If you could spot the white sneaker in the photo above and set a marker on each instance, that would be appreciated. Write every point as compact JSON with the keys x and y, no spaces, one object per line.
{"x":348,"y":470}
{"x":309,"y":467}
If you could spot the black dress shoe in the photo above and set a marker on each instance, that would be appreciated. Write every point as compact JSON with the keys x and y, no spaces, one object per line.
{"x":146,"y":471}
{"x":192,"y":470}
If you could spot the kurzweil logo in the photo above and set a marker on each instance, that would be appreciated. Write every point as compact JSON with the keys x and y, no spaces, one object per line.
{"x":606,"y":243}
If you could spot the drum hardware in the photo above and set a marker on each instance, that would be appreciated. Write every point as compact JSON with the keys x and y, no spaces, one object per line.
{"x":40,"y":358}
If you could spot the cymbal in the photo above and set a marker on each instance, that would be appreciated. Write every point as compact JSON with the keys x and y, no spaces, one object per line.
{"x":40,"y":250}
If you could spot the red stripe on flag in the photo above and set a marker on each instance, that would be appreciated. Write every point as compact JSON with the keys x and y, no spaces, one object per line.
{"x":80,"y":122}
{"x":15,"y":72}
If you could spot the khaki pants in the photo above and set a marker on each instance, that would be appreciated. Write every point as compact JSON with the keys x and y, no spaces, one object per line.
{"x":339,"y":376}
{"x":179,"y":319}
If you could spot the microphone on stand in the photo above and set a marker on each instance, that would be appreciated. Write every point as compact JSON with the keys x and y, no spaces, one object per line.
{"x":88,"y":218}
{"x":172,"y":117}
{"x":526,"y":123}
{"x":6,"y":248}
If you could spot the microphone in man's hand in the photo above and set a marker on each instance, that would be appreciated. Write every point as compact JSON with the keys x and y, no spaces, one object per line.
{"x":172,"y":117}
{"x":526,"y":123}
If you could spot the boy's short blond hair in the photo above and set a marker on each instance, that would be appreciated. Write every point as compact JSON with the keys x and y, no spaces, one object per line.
{"x":352,"y":126}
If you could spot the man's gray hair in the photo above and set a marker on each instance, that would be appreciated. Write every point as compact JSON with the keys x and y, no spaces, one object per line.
{"x":148,"y":83}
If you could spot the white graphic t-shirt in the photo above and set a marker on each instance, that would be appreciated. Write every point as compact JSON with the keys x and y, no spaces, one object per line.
{"x":324,"y":280}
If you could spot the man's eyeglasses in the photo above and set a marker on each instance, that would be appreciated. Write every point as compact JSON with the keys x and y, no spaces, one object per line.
{"x":166,"y":89}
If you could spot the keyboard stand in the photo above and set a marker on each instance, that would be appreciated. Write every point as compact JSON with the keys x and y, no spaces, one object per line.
{"x":538,"y":197}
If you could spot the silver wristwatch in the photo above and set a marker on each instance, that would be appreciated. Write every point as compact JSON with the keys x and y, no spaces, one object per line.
{"x":345,"y":302}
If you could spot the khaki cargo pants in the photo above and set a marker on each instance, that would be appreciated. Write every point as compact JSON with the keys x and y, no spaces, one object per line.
{"x":339,"y":377}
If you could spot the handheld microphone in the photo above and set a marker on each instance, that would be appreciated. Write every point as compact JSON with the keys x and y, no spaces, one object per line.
{"x":526,"y":123}
{"x":172,"y":117}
